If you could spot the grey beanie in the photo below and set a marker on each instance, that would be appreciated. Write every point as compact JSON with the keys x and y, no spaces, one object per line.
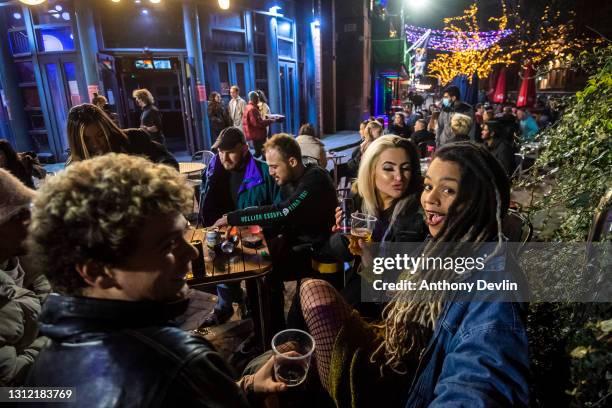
{"x":14,"y":195}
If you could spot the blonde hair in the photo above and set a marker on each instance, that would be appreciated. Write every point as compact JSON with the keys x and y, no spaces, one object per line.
{"x":367,"y":132}
{"x":144,"y":95}
{"x":366,"y":184}
{"x":461,"y":124}
{"x":95,"y":208}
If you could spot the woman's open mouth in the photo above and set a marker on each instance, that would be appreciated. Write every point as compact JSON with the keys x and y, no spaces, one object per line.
{"x":434,"y":218}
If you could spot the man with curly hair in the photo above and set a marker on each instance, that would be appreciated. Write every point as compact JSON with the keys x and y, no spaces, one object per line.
{"x":110,"y":234}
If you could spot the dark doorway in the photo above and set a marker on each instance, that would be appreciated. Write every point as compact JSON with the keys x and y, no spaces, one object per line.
{"x":163,"y":78}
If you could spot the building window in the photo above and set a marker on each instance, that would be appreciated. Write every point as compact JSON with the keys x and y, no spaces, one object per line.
{"x":285,"y":29}
{"x":19,"y":42}
{"x":228,"y":41}
{"x":25,"y":71}
{"x":228,"y":20}
{"x":260,"y":22}
{"x":261,"y":75}
{"x":55,"y":39}
{"x":142,"y":26}
{"x":52,"y":12}
{"x":285,"y":48}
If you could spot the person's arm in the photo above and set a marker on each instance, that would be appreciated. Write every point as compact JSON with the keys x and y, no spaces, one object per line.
{"x":322,"y":156}
{"x":301,"y":204}
{"x":152,"y":121}
{"x":255,"y":120}
{"x":489,"y":363}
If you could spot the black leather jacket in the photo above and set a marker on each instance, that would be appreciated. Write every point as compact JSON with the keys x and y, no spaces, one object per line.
{"x":125,"y":354}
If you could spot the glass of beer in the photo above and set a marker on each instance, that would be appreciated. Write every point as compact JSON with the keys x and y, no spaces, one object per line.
{"x":292,"y":352}
{"x":362,"y":226}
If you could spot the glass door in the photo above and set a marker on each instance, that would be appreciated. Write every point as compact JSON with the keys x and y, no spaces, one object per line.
{"x":61,"y":78}
{"x":227,"y":71}
{"x":288,"y":102}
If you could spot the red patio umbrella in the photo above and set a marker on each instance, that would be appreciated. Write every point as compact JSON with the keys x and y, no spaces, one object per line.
{"x":527,"y":93}
{"x":500,"y":88}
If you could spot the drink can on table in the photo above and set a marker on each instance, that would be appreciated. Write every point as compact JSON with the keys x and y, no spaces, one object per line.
{"x":213,"y":237}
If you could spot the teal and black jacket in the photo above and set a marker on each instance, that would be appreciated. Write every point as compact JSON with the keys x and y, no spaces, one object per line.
{"x":306,"y":213}
{"x":258,"y":188}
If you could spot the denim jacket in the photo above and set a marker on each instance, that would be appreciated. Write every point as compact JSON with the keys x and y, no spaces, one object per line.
{"x":477,"y":356}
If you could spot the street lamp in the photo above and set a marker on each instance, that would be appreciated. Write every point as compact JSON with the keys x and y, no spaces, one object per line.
{"x":415,"y":4}
{"x":224,"y":4}
{"x":32,"y":2}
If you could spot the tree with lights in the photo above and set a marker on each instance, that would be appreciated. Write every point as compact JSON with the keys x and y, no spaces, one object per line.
{"x":537,"y":43}
{"x":469,"y":53}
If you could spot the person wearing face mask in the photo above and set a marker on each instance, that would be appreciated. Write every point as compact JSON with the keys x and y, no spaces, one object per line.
{"x":92,"y":133}
{"x":389,"y":184}
{"x":434,"y":351}
{"x":451,"y":105}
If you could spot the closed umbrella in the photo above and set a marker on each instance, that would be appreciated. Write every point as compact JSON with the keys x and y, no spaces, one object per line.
{"x":527,"y":92}
{"x":500,"y":88}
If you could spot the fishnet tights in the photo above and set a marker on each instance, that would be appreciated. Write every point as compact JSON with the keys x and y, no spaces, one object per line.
{"x":325,"y":311}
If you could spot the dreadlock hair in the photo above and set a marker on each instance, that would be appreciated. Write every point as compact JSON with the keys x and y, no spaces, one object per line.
{"x":484,"y":186}
{"x":86,"y":114}
{"x":366,"y":184}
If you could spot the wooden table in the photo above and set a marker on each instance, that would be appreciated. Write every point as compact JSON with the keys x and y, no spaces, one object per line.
{"x":190,"y":167}
{"x":246,"y":264}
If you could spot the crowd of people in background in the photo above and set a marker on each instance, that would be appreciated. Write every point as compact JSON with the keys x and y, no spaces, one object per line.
{"x":502,"y":128}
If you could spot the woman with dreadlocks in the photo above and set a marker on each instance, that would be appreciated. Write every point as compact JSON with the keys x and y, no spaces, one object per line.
{"x":432,"y":351}
{"x":91,"y":132}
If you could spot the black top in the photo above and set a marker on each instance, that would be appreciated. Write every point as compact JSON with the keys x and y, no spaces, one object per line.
{"x":423,"y":136}
{"x":403,"y":131}
{"x":119,"y":354}
{"x":152,"y":117}
{"x":306,"y":213}
{"x":139,"y":143}
{"x":503,"y":151}
{"x":218,"y":117}
{"x":301,"y":223}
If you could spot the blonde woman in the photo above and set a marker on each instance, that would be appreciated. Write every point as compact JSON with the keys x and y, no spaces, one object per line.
{"x":433,"y":351}
{"x":389,"y":184}
{"x":92,"y":133}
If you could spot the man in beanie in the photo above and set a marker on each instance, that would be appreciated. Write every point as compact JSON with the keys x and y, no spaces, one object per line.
{"x":234,"y":180}
{"x":255,"y":127}
{"x":21,"y":293}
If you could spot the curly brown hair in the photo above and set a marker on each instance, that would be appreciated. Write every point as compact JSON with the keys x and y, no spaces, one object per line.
{"x":94,"y":210}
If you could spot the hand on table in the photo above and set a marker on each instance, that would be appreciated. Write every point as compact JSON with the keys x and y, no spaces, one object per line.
{"x":221,"y":222}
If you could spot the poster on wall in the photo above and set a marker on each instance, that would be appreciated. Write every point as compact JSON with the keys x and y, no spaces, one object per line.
{"x":91,"y":90}
{"x":201,"y":93}
{"x":225,"y":88}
